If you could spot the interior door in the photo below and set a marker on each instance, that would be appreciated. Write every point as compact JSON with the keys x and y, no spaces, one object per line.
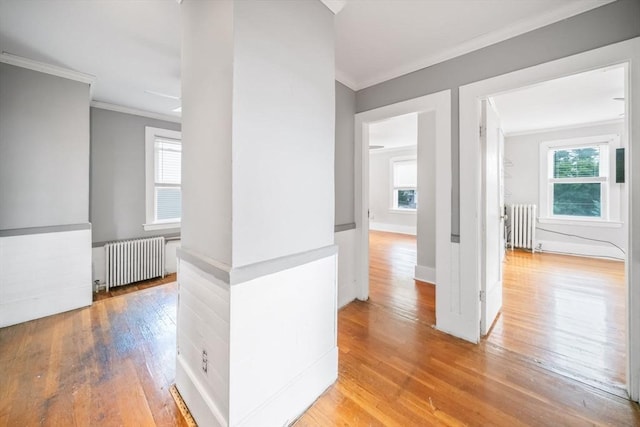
{"x":493,"y":219}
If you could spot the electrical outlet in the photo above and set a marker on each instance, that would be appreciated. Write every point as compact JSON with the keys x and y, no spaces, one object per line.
{"x":204,"y":361}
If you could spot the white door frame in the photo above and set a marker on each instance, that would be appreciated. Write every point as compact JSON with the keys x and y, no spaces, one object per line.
{"x":470,"y":192}
{"x":440,"y":103}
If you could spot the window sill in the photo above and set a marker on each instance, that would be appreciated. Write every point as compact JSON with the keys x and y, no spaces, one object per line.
{"x":403,"y":211}
{"x":581,"y":222}
{"x":160,"y":226}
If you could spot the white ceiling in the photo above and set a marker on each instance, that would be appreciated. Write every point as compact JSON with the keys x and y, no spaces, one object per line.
{"x":134,"y":46}
{"x":377,"y":40}
{"x":574,"y":100}
{"x":129,"y":46}
{"x":400,"y":131}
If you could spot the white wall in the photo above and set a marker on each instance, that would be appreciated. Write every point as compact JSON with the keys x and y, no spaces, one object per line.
{"x":382,"y":217}
{"x":522,"y":155}
{"x":347,"y":291}
{"x":44,"y":274}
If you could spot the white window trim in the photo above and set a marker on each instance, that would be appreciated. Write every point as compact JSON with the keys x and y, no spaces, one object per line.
{"x":393,"y":208}
{"x":150,"y":136}
{"x":609,"y":213}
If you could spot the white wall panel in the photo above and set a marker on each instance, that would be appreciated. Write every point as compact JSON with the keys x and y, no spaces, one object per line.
{"x":44,"y":274}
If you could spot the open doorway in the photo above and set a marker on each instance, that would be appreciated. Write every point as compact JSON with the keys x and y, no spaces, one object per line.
{"x":393,"y":212}
{"x":562,"y":179}
{"x":434,"y":229}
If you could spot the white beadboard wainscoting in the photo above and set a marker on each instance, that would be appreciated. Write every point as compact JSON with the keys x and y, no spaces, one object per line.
{"x":347,"y":288}
{"x":270,"y":341}
{"x":43,"y":274}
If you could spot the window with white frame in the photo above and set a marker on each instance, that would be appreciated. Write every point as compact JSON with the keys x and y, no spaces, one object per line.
{"x":404,"y":195}
{"x":163,"y":150}
{"x":575,"y":180}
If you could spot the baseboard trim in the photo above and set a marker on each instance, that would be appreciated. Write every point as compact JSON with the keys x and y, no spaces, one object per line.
{"x":201,"y":407}
{"x":579,"y":249}
{"x":425,"y":274}
{"x":393,"y":228}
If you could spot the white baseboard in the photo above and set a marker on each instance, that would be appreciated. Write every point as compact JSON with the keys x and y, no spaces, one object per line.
{"x":203,"y":409}
{"x":393,"y":228}
{"x":579,"y":249}
{"x":425,"y":274}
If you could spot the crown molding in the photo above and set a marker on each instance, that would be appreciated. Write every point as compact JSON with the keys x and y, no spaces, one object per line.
{"x":508,"y":31}
{"x":334,"y":6}
{"x":65,"y":73}
{"x":135,"y":111}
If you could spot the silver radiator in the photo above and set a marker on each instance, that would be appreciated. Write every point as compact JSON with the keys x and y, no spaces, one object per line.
{"x":130,"y":261}
{"x":523,"y":226}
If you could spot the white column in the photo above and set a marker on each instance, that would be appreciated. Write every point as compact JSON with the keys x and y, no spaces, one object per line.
{"x":257,"y":268}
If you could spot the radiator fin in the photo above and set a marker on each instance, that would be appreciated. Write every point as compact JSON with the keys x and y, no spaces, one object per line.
{"x":130,"y":261}
{"x":523,"y":226}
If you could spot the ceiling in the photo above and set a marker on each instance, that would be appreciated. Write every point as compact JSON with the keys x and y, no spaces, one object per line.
{"x":574,"y":100}
{"x":132,"y":47}
{"x":400,"y":131}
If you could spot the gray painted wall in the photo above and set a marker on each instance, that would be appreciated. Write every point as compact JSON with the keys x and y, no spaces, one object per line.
{"x":44,"y":149}
{"x":283,"y":129}
{"x":599,"y":27}
{"x":345,"y":112}
{"x":426,"y":240}
{"x":118,"y":175}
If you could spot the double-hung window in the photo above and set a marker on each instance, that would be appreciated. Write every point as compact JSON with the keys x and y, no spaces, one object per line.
{"x":405,"y":177}
{"x":575,"y":179}
{"x":163,"y":151}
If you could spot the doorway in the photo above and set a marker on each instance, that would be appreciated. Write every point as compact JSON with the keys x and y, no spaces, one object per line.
{"x":471,"y":198}
{"x":563,"y":297}
{"x":436,"y":108}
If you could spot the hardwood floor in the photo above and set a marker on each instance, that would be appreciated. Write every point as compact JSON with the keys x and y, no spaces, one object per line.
{"x":134,"y":287}
{"x":568,"y":314}
{"x":396,"y":370}
{"x":110,"y":364}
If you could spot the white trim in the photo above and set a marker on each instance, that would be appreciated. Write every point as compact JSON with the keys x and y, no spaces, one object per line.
{"x":627,"y":52}
{"x":506,"y":32}
{"x":580,"y":222}
{"x":562,"y":128}
{"x":403,"y":211}
{"x":334,"y":6}
{"x":393,"y":228}
{"x":160,"y":226}
{"x":425,"y":274}
{"x":345,"y":79}
{"x":43,"y":67}
{"x":446,"y":276}
{"x":135,"y":111}
{"x":605,"y":143}
{"x":392,"y":149}
{"x":150,"y":134}
{"x":580,"y":249}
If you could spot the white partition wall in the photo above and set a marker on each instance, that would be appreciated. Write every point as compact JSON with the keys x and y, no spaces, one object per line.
{"x":257,"y":268}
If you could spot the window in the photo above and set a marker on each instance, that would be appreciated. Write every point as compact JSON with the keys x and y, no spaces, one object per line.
{"x":575,"y":180}
{"x":404,"y":192}
{"x":163,"y":151}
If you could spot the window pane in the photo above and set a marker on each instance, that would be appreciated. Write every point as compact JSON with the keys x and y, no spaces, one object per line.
{"x":168,"y":203}
{"x":405,"y":173}
{"x":406,"y":199}
{"x":577,"y":199}
{"x":576,"y":162}
{"x":168,"y":161}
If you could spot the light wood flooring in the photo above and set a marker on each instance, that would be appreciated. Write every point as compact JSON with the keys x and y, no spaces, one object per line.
{"x":396,"y":370}
{"x":111,"y":365}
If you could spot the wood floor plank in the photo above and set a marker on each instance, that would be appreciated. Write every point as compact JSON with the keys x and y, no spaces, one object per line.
{"x":396,"y":369}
